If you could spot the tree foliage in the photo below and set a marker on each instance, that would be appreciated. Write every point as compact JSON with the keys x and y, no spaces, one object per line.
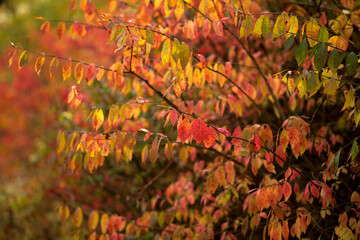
{"x":207,"y":119}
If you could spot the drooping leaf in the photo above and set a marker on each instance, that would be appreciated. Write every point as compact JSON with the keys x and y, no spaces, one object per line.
{"x":54,"y":64}
{"x":45,"y":27}
{"x":312,"y":31}
{"x":334,"y":60}
{"x":210,"y":137}
{"x":321,"y":57}
{"x":78,"y":217}
{"x":61,"y":142}
{"x":323,"y":35}
{"x":287,"y":190}
{"x":166,"y":52}
{"x":258,"y":26}
{"x":60,"y":30}
{"x":78,"y":72}
{"x":184,"y":129}
{"x":354,"y":150}
{"x":38,"y":64}
{"x":98,"y":119}
{"x":266,"y":27}
{"x":293,"y":26}
{"x":104,"y":222}
{"x":351,"y":63}
{"x":289,"y":42}
{"x":23,"y":59}
{"x":349,"y":99}
{"x":279,"y":26}
{"x":301,"y":51}
{"x":90,"y":73}
{"x":93,"y":220}
{"x":66,"y":69}
{"x":198,"y":130}
{"x":247,"y":27}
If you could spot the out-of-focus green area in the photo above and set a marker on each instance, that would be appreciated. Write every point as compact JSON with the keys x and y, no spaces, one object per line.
{"x":17,"y":18}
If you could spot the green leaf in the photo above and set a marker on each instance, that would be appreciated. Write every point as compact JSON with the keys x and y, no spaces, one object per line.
{"x":321,"y":57}
{"x":150,"y":38}
{"x":349,"y":99}
{"x":266,"y":27}
{"x":354,"y":150}
{"x":184,"y":55}
{"x":334,"y":60}
{"x":247,"y":27}
{"x":23,"y":59}
{"x":289,"y":42}
{"x":323,"y":35}
{"x":301,"y":51}
{"x":337,"y":159}
{"x":176,"y":49}
{"x":351,"y":62}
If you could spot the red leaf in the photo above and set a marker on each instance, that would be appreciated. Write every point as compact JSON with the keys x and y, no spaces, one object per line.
{"x":236,"y":133}
{"x":314,"y":190}
{"x":230,"y":172}
{"x":306,"y":192}
{"x":224,"y":131}
{"x":280,"y":153}
{"x":198,"y":130}
{"x":173,"y":117}
{"x":287,"y":190}
{"x":184,"y":129}
{"x":210,"y":137}
{"x":257,"y":142}
{"x":202,"y":60}
{"x":323,"y":19}
{"x":90,"y":72}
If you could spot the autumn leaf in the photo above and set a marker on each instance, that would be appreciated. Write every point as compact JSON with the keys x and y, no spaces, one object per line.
{"x":23,"y":59}
{"x":210,"y":137}
{"x":78,"y":217}
{"x":66,"y":69}
{"x":287,"y":190}
{"x":104,"y":222}
{"x":198,"y":130}
{"x":78,"y":72}
{"x":38,"y":64}
{"x":45,"y":27}
{"x":93,"y":220}
{"x":184,"y":129}
{"x":98,"y":119}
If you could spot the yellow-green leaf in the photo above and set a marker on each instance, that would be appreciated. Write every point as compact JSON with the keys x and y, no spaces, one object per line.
{"x":247,"y":27}
{"x":258,"y":26}
{"x":78,"y":217}
{"x":349,"y":99}
{"x":166,"y":52}
{"x":266,"y":27}
{"x":279,"y":26}
{"x":23,"y":59}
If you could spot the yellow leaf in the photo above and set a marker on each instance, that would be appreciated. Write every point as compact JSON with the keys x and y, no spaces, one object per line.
{"x":312,"y":30}
{"x":166,"y":52}
{"x":39,"y":63}
{"x":293,"y":26}
{"x":279,"y":26}
{"x":23,"y":59}
{"x":258,"y":26}
{"x":93,"y":220}
{"x":67,"y":69}
{"x":78,"y":72}
{"x":98,"y":119}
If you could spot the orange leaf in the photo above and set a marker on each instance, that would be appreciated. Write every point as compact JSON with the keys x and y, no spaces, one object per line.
{"x":66,"y":69}
{"x":45,"y":27}
{"x":230,"y":172}
{"x":54,"y":64}
{"x":39,"y":63}
{"x":78,"y":73}
{"x":184,"y":129}
{"x":60,"y":30}
{"x":285,"y":230}
{"x":210,"y":137}
{"x":280,"y":156}
{"x":11,"y":55}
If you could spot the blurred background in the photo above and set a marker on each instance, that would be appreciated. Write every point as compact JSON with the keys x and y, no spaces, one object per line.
{"x":29,"y":108}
